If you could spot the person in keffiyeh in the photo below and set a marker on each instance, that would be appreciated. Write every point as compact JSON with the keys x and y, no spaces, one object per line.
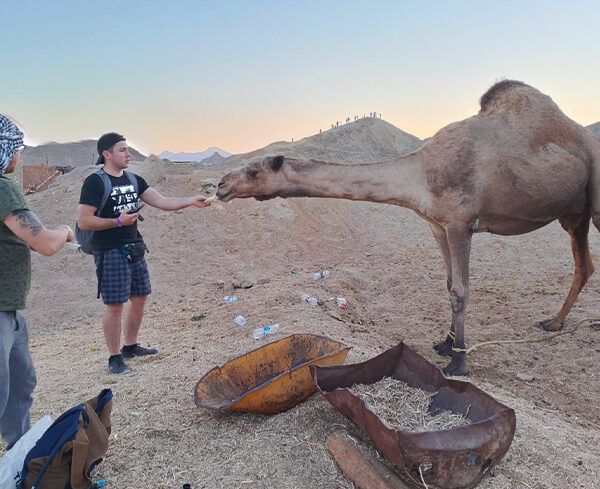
{"x":11,"y":141}
{"x":20,"y":231}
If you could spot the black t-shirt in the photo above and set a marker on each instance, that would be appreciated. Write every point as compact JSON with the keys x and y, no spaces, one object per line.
{"x":122,"y":197}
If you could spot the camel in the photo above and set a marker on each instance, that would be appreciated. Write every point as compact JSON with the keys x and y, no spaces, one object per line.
{"x":512,"y":168}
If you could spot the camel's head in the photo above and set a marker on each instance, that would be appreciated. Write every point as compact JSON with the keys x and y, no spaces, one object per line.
{"x":262,"y":180}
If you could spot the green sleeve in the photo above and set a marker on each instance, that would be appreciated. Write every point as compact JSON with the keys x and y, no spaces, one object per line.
{"x":11,"y":198}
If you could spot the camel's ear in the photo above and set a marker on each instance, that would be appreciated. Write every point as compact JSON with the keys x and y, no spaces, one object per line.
{"x":276,"y":163}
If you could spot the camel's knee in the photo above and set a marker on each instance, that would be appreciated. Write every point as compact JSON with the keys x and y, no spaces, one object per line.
{"x":457,"y":301}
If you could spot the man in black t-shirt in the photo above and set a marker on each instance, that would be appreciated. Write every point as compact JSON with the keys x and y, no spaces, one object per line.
{"x":119,"y":247}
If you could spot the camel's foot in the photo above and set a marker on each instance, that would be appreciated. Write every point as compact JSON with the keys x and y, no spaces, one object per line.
{"x":444,"y":348}
{"x":549,"y":324}
{"x":457,"y":366}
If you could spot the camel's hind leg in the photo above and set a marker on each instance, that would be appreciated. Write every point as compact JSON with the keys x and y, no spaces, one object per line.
{"x":577,"y":226}
{"x":444,"y":348}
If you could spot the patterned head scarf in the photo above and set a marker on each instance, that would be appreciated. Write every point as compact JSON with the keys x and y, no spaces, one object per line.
{"x":10,"y":141}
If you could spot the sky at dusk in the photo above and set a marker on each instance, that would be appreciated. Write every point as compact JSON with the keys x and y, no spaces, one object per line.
{"x":185,"y":75}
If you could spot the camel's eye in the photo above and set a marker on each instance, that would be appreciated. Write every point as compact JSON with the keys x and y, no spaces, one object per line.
{"x":252,"y":173}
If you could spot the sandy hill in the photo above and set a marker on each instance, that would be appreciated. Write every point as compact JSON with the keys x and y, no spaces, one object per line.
{"x":383,"y":261}
{"x":80,"y":153}
{"x":595,"y":128}
{"x":367,"y":140}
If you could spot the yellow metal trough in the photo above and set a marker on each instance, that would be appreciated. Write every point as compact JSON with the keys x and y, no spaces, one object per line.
{"x":270,"y":379}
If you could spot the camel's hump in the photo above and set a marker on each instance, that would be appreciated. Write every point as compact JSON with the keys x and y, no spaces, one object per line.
{"x":512,"y":95}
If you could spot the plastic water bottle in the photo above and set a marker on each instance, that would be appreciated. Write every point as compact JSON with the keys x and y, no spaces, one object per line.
{"x":323,"y":274}
{"x":265,"y":331}
{"x":230,"y":298}
{"x":312,"y":301}
{"x":240,"y":320}
{"x":305,"y":297}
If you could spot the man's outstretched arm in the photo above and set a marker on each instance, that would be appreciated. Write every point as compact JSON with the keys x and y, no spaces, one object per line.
{"x":154,"y":198}
{"x":25,"y":224}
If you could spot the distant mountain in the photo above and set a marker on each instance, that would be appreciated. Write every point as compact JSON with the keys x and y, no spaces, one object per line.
{"x":80,"y":153}
{"x":215,"y":159}
{"x":595,"y":128}
{"x":366,"y":140}
{"x":193,"y":157}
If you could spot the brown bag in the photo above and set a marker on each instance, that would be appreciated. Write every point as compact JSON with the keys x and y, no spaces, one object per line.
{"x":70,"y":449}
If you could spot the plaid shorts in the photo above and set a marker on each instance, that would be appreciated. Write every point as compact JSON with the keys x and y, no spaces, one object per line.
{"x":122,"y":279}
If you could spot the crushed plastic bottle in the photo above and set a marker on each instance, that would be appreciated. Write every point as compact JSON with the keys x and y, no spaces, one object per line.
{"x":317,"y":275}
{"x":265,"y":331}
{"x":240,"y":320}
{"x":323,"y":274}
{"x":230,"y":298}
{"x":311,"y":300}
{"x":341,"y":303}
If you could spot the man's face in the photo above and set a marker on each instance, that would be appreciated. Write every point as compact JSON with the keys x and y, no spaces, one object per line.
{"x":12,"y":164}
{"x":118,"y":157}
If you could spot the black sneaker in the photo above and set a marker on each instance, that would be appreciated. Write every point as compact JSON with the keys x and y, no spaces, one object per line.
{"x":130,"y":351}
{"x":117,"y":366}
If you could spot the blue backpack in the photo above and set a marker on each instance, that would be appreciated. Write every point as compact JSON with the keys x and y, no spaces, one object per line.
{"x":67,"y":453}
{"x":84,"y":237}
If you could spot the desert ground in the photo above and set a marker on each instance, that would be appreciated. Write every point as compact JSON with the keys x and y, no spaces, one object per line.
{"x":384,"y":261}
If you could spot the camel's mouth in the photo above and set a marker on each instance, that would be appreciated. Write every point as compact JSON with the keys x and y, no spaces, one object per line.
{"x":265,"y":197}
{"x":224,"y":196}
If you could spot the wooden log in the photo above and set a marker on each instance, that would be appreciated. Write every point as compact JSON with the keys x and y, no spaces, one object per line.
{"x":363,"y":469}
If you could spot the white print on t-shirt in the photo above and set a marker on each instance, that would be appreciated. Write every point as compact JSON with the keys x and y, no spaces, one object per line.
{"x":123,"y":198}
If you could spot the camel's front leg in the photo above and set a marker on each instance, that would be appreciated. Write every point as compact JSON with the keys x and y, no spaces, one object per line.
{"x":444,"y":348}
{"x":459,"y":244}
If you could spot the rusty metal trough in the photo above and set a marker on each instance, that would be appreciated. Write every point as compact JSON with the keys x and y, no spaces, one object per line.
{"x":270,"y":379}
{"x":448,"y":459}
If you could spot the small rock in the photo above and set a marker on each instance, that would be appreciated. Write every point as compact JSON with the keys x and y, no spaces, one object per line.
{"x":525,"y":377}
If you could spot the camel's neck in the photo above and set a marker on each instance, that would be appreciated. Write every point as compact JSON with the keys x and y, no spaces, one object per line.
{"x":399,"y":182}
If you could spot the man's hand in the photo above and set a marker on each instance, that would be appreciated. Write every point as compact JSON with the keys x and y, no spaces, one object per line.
{"x":200,"y":201}
{"x":70,"y":235}
{"x":128,"y":219}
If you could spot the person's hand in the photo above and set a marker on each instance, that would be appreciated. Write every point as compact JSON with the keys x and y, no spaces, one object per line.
{"x":128,"y":219}
{"x":200,"y":201}
{"x":70,"y":235}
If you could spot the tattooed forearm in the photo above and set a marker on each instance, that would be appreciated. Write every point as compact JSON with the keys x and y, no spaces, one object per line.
{"x":27,"y":219}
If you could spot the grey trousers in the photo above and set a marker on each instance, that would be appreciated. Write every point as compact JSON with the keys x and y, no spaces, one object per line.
{"x":17,"y":377}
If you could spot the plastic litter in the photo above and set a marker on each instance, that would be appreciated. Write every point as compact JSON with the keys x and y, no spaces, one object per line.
{"x":265,"y":331}
{"x":323,"y":274}
{"x":341,"y":303}
{"x":230,"y":298}
{"x":240,"y":320}
{"x":311,"y":300}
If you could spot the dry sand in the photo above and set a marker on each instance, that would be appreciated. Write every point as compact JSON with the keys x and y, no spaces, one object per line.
{"x":384,"y":261}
